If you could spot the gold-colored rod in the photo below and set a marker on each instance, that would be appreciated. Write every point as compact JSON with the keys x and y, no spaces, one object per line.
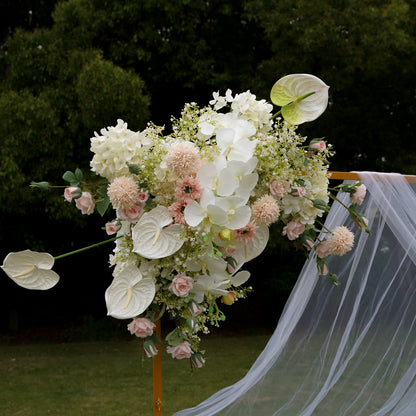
{"x":354,"y":176}
{"x":157,"y":375}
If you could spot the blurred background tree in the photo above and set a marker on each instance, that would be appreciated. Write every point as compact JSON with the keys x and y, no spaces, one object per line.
{"x":72,"y":67}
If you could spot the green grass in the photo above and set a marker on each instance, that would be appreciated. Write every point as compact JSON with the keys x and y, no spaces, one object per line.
{"x":111,"y":378}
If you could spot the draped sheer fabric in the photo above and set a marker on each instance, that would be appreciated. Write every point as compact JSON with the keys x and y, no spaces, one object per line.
{"x":348,"y":350}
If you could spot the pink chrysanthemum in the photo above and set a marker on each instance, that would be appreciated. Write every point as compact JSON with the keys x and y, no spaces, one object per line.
{"x":246,"y":233}
{"x":123,"y":192}
{"x":177,"y":211}
{"x":265,"y":210}
{"x":188,"y":189}
{"x":183,"y":159}
{"x":340,"y":241}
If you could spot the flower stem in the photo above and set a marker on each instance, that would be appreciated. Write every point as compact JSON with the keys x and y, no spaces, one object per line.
{"x":87,"y":248}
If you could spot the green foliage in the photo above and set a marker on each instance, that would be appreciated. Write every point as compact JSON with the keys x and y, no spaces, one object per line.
{"x":365,"y":50}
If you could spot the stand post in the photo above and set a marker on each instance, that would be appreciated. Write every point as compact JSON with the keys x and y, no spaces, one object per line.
{"x":157,"y":376}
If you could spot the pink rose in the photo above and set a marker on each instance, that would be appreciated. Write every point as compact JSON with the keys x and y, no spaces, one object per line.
{"x":180,"y":351}
{"x":132,"y":214}
{"x":359,"y":195}
{"x":68,"y":193}
{"x":112,"y":227}
{"x":195,"y":308}
{"x":141,"y":327}
{"x":85,"y":203}
{"x":293,"y":229}
{"x":298,"y":191}
{"x":181,"y":285}
{"x":320,"y":146}
{"x":150,"y":349}
{"x":198,"y":360}
{"x":279,"y":188}
{"x":322,"y":250}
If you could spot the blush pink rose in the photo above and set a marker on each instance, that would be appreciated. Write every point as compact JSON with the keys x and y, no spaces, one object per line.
{"x":112,"y":227}
{"x":180,"y":351}
{"x":323,"y":250}
{"x":359,"y":195}
{"x":85,"y":203}
{"x":293,"y":229}
{"x":141,"y":327}
{"x":279,"y":188}
{"x":298,"y":191}
{"x":132,"y":214}
{"x":195,"y":308}
{"x":68,"y":195}
{"x":181,"y":285}
{"x":320,"y":146}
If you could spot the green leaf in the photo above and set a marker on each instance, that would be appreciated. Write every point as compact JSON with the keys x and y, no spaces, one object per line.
{"x":191,"y":323}
{"x":320,"y":204}
{"x":70,"y":177}
{"x":102,"y":190}
{"x":102,"y":205}
{"x":174,"y":337}
{"x":78,"y":174}
{"x":133,"y":168}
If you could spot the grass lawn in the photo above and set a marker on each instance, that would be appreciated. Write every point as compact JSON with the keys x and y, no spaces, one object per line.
{"x":110,"y":378}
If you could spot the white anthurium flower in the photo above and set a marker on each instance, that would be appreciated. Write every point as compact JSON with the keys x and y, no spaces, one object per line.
{"x":212,"y":284}
{"x":31,"y":270}
{"x":129,"y":294}
{"x":240,"y":278}
{"x":154,"y":236}
{"x":237,"y":213}
{"x":195,"y":212}
{"x":303,"y":97}
{"x":248,"y":251}
{"x":233,"y":147}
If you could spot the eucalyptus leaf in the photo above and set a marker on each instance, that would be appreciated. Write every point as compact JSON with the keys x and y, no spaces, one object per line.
{"x":43,"y":186}
{"x":102,"y":205}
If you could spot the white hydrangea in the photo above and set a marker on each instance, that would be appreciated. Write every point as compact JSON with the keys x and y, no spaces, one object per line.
{"x":256,"y":112}
{"x":115,"y":149}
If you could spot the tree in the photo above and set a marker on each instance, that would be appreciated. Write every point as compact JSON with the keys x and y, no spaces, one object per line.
{"x":365,"y":50}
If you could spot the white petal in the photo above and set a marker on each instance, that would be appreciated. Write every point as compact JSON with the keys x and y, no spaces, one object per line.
{"x":217,"y":215}
{"x":31,"y":269}
{"x":152,"y":241}
{"x":126,"y":300}
{"x":240,"y":278}
{"x":240,"y":218}
{"x":246,"y":252}
{"x":194,"y":214}
{"x":227,"y":182}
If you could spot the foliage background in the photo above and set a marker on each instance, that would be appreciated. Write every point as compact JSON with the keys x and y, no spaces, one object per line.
{"x":72,"y":67}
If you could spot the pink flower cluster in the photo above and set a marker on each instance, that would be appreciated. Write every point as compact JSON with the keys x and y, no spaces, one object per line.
{"x":84,"y":202}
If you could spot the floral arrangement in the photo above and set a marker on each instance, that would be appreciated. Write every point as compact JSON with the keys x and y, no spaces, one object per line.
{"x":191,"y":207}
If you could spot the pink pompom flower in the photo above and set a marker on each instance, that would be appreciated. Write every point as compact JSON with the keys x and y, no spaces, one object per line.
{"x":265,"y":210}
{"x":340,"y":241}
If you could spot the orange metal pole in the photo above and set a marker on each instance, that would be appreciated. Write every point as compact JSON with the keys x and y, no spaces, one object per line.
{"x":354,"y":176}
{"x":157,"y":376}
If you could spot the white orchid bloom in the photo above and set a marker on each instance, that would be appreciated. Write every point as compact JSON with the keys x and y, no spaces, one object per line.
{"x":237,"y":213}
{"x":239,"y":278}
{"x":206,"y":209}
{"x":303,"y":97}
{"x":233,"y":147}
{"x":213,"y":284}
{"x":31,"y":270}
{"x":154,"y":236}
{"x":129,"y":294}
{"x":242,"y":172}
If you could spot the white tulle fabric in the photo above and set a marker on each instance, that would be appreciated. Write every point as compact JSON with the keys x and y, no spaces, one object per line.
{"x":348,"y":350}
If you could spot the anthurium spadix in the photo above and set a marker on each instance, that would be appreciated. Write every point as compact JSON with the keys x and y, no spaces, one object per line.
{"x":31,"y":270}
{"x":154,"y":236}
{"x":303,"y":97}
{"x":129,"y":294}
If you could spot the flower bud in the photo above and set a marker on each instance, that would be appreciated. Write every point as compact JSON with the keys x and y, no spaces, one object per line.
{"x":229,"y":298}
{"x":226,"y":234}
